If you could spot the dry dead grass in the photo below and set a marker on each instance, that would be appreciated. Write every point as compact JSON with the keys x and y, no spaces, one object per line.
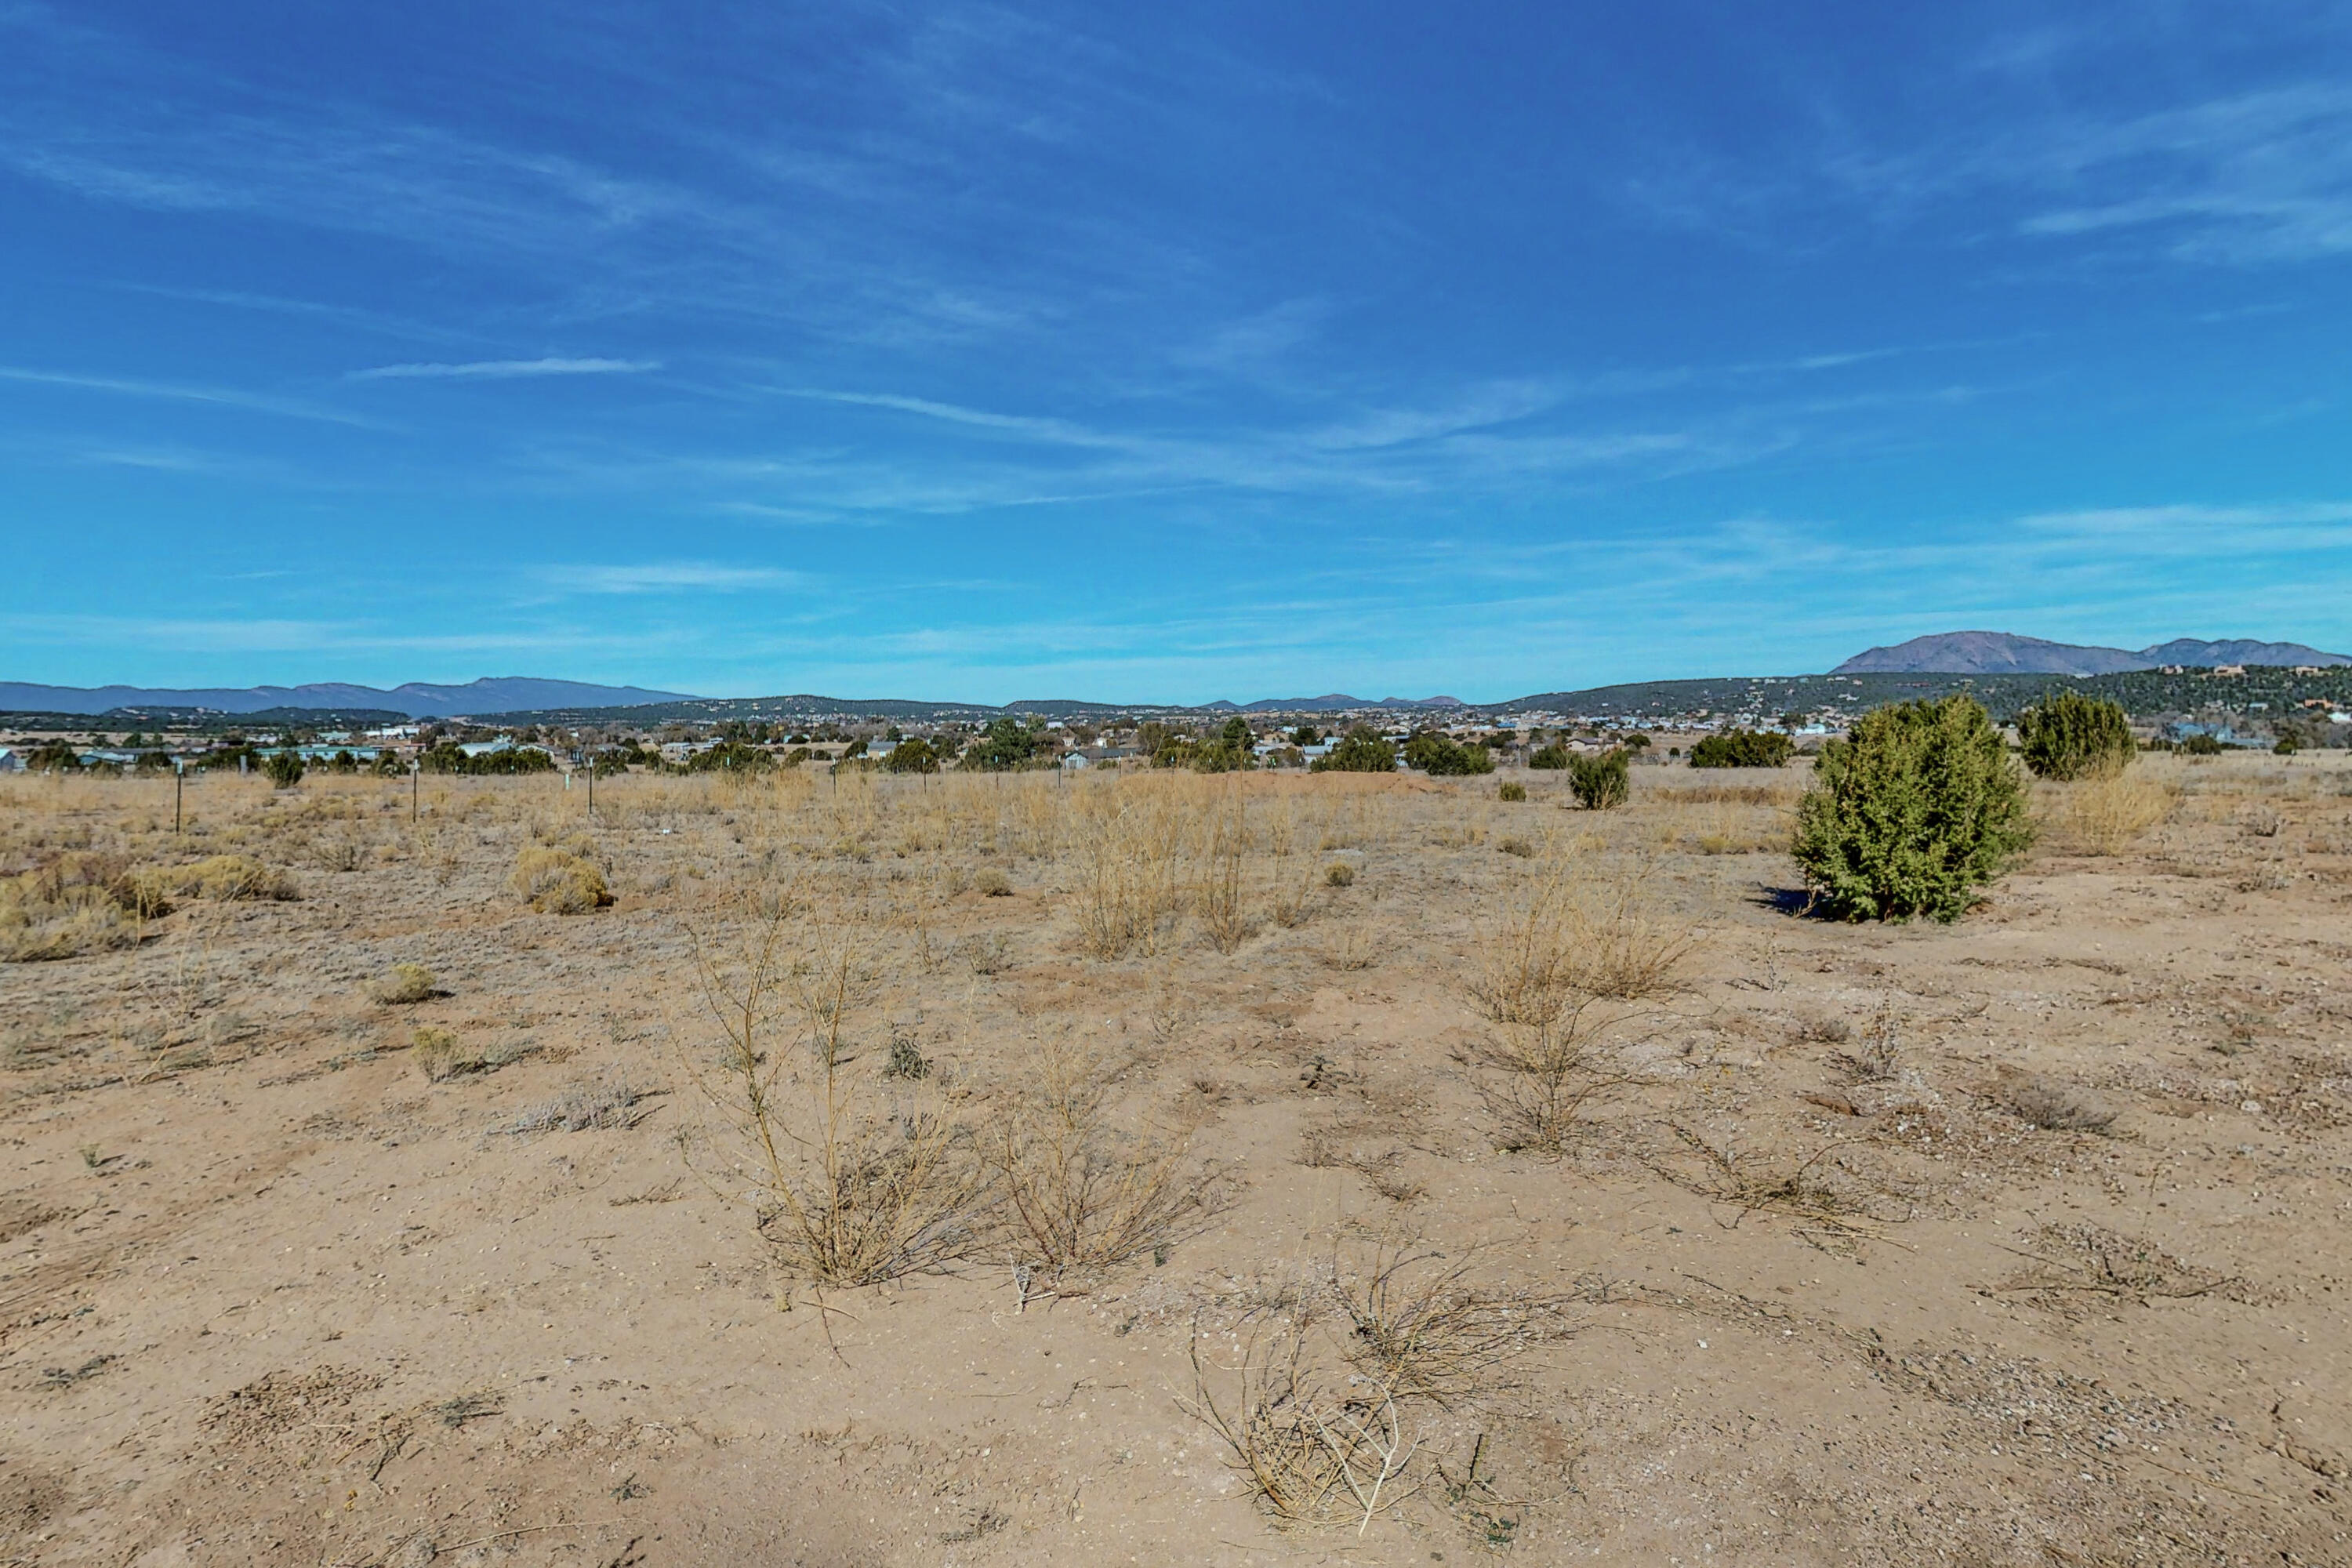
{"x":76,"y":903}
{"x":1309,"y":1455}
{"x":1586,"y":927}
{"x":2065,"y":1262}
{"x":878,"y":1106}
{"x":1225,"y":916}
{"x":87,"y":900}
{"x":2107,"y":815}
{"x":610,"y":1101}
{"x":1081,"y":1195}
{"x":1327,"y":1398}
{"x":442,"y":1055}
{"x":559,"y":881}
{"x":847,"y":1185}
{"x":2055,"y":1105}
{"x":1830,"y":1202}
{"x":1423,"y":1327}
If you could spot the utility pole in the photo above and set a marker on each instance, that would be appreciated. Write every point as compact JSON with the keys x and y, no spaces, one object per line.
{"x":415,"y":769}
{"x":592,"y":786}
{"x":179,"y":788}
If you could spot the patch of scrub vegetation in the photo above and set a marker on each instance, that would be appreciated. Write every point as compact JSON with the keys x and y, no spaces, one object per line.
{"x":1914,"y":814}
{"x":559,"y":880}
{"x":2067,"y":735}
{"x":1743,"y":748}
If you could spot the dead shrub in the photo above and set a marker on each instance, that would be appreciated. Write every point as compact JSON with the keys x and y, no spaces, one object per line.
{"x":78,"y":904}
{"x":991,"y":883}
{"x":2055,"y":1105}
{"x":1422,"y":1329}
{"x":611,"y":1101}
{"x":1080,"y":1195}
{"x":441,"y":1054}
{"x":847,"y":1183}
{"x":408,"y":983}
{"x":1574,"y":935}
{"x":1544,"y":1071}
{"x":1292,"y":904}
{"x":986,"y":952}
{"x":1311,"y":1454}
{"x":1833,"y":1203}
{"x":1130,"y":838}
{"x":1327,"y":1427}
{"x":558,"y":881}
{"x":1339,"y":874}
{"x":1220,"y":892}
{"x":229,"y":878}
{"x":1880,"y":1060}
{"x":2072,"y":1260}
{"x":220,"y":877}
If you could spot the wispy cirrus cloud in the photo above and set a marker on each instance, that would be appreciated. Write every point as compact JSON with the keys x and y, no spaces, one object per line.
{"x":505,"y":369}
{"x":1034,"y":428}
{"x":226,"y":397}
{"x":668,"y":577}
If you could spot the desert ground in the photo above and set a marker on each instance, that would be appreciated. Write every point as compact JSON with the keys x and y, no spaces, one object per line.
{"x":1231,"y":1170}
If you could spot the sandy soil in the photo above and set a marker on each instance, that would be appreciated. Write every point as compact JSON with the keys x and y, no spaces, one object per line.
{"x":1798,"y":1283}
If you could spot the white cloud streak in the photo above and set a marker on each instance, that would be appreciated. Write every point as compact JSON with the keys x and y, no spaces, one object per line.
{"x":669,"y":577}
{"x":224,"y":397}
{"x":505,"y":369}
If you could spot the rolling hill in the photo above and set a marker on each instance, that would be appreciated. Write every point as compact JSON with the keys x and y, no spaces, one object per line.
{"x":2004,"y":653}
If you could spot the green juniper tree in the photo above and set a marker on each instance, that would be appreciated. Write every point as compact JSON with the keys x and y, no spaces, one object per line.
{"x":1921,"y":807}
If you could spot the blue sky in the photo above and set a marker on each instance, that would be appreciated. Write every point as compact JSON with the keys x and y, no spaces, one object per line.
{"x":1162,"y":353}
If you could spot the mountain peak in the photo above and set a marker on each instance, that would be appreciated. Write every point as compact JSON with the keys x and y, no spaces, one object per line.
{"x":2005,"y":653}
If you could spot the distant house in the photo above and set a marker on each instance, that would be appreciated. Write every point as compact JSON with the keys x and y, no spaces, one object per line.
{"x":1084,"y":757}
{"x":2179,"y":730}
{"x":11,"y":761}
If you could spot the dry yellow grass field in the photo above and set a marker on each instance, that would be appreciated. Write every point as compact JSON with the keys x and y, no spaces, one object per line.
{"x":1230,"y":1170}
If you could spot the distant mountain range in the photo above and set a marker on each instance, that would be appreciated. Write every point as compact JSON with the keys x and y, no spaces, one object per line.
{"x":498,"y":694}
{"x":508,"y":697}
{"x":2003,"y":653}
{"x":1334,"y":703}
{"x":516,"y":697}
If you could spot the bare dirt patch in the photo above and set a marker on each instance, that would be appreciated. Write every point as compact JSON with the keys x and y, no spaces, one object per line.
{"x":1163,"y":1195}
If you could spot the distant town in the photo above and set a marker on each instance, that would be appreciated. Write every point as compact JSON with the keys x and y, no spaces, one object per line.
{"x":1660,"y":722}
